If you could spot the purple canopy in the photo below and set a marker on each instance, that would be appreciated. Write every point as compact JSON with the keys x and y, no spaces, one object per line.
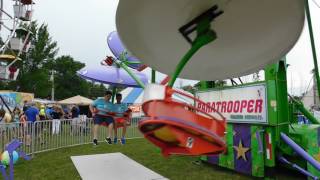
{"x":111,"y":75}
{"x":117,"y":48}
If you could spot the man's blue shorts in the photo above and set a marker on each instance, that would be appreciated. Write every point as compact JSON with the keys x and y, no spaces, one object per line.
{"x":102,"y":119}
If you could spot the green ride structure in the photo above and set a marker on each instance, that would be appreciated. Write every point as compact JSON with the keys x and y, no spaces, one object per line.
{"x":257,"y":148}
{"x":280,"y":140}
{"x":262,"y":130}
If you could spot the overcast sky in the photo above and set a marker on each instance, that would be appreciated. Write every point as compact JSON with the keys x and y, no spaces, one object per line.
{"x":81,"y":27}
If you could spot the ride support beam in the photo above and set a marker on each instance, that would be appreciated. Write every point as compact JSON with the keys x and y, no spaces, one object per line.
{"x":313,"y":46}
{"x":153,"y":76}
{"x":305,"y":112}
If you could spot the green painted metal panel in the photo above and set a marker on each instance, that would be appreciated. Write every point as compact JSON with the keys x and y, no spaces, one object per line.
{"x":226,"y":160}
{"x":309,"y":140}
{"x":257,"y":153}
{"x":272,"y":102}
{"x":313,"y":150}
{"x":282,"y":104}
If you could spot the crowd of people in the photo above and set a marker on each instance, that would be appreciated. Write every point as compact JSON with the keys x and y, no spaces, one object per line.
{"x":19,"y":121}
{"x":104,"y":112}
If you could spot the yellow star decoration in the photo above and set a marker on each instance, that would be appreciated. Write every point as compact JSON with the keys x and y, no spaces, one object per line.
{"x":317,"y":156}
{"x":241,"y":151}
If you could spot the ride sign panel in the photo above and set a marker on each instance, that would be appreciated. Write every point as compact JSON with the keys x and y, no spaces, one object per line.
{"x":241,"y":105}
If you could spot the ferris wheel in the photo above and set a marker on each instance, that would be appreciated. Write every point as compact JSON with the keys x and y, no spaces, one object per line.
{"x":15,"y":18}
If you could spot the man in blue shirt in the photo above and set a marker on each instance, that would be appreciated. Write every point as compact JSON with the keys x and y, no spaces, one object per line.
{"x":122,"y":115}
{"x":101,"y":110}
{"x":32,"y":114}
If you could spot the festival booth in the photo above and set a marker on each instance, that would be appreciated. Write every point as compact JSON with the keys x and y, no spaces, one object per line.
{"x":80,"y":101}
{"x":11,"y":99}
{"x":76,"y":100}
{"x":44,"y":101}
{"x":40,"y":102}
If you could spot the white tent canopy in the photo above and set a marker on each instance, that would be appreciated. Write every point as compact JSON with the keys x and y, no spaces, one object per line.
{"x":78,"y":100}
{"x":43,"y":101}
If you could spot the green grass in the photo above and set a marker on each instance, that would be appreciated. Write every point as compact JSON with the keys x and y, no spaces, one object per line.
{"x":57,"y":164}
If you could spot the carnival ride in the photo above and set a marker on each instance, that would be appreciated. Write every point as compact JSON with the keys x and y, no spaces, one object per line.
{"x":110,"y":72}
{"x":15,"y":36}
{"x":125,"y":60}
{"x":180,"y":128}
{"x":119,"y":51}
{"x":114,"y":76}
{"x":195,"y":20}
{"x":123,"y":70}
{"x":111,"y":75}
{"x":228,"y":39}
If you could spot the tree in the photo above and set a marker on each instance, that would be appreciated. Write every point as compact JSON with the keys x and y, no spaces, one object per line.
{"x":97,"y":90}
{"x":38,"y":63}
{"x":67,"y":83}
{"x":34,"y":74}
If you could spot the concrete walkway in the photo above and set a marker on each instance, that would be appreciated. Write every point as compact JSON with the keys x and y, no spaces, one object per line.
{"x":112,"y":166}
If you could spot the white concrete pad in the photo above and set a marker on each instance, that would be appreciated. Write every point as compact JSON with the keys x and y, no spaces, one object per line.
{"x":113,"y":166}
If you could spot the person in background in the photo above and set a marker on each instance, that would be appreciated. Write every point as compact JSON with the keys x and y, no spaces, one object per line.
{"x":16,"y":114}
{"x":15,"y":120}
{"x":75,"y":122}
{"x":23,"y":126}
{"x":56,"y":114}
{"x":122,"y":115}
{"x":42,"y":126}
{"x":49,"y":111}
{"x":66,"y":113}
{"x":25,"y":106}
{"x":42,"y":112}
{"x":85,"y":110}
{"x":5,"y":119}
{"x":75,"y":112}
{"x":32,"y":114}
{"x":100,"y":109}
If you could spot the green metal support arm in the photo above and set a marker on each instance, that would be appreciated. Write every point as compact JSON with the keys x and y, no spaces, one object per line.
{"x":125,"y":67}
{"x":128,"y":62}
{"x":204,"y":36}
{"x":305,"y":112}
{"x":314,"y":53}
{"x":153,"y":76}
{"x":114,"y":91}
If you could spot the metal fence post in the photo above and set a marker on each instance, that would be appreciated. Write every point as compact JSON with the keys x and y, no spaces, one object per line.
{"x":46,"y":135}
{"x":33,"y":138}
